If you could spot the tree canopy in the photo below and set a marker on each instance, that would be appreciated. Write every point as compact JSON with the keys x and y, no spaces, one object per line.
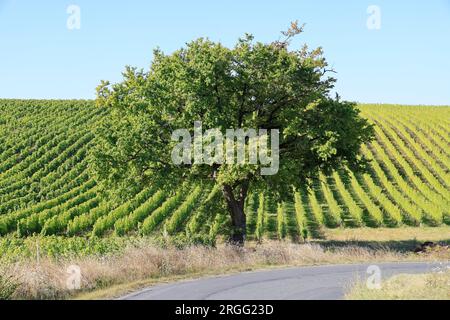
{"x":251,"y":85}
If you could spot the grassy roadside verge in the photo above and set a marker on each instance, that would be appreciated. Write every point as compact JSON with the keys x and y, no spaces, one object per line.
{"x":386,"y":235}
{"x":433,"y":286}
{"x":145,"y":264}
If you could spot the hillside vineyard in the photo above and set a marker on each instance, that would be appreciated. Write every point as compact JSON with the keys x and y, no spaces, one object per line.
{"x":45,"y":187}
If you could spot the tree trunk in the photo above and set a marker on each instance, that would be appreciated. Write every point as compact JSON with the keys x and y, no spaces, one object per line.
{"x":236,"y":209}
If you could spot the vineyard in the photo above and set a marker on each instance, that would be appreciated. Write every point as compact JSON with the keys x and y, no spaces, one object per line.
{"x":46,"y":187}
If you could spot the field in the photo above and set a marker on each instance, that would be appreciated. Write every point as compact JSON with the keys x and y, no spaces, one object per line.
{"x":46,"y":188}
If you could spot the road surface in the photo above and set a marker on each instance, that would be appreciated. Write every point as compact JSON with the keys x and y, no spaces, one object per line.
{"x":304,"y":283}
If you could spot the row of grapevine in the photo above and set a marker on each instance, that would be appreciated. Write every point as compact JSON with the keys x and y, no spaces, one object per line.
{"x":300,"y":216}
{"x":432,"y":160}
{"x":35,"y":222}
{"x":429,"y":139}
{"x":161,"y":213}
{"x":281,"y":221}
{"x":36,"y":151}
{"x":411,"y":214}
{"x":180,"y":215}
{"x":8,"y":222}
{"x":105,"y":223}
{"x":354,"y":211}
{"x":209,"y":206}
{"x":371,"y":214}
{"x":419,"y":191}
{"x":84,"y":222}
{"x":334,"y":211}
{"x":58,"y":223}
{"x":260,"y":221}
{"x":131,"y":222}
{"x":415,"y":161}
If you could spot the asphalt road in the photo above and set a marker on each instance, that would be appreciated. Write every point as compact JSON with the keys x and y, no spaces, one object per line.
{"x":302,"y":283}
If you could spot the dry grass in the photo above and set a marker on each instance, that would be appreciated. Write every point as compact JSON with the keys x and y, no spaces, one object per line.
{"x":433,"y":286}
{"x":389,"y":234}
{"x":147,"y":264}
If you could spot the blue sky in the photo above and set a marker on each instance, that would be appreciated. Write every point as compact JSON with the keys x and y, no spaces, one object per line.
{"x":405,"y":61}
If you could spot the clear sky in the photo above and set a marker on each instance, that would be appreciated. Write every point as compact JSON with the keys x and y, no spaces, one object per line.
{"x":405,"y":60}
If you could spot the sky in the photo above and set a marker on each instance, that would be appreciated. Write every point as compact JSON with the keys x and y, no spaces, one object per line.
{"x":383,"y":51}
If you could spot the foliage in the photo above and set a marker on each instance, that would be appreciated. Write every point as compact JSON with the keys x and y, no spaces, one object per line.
{"x":252,"y":85}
